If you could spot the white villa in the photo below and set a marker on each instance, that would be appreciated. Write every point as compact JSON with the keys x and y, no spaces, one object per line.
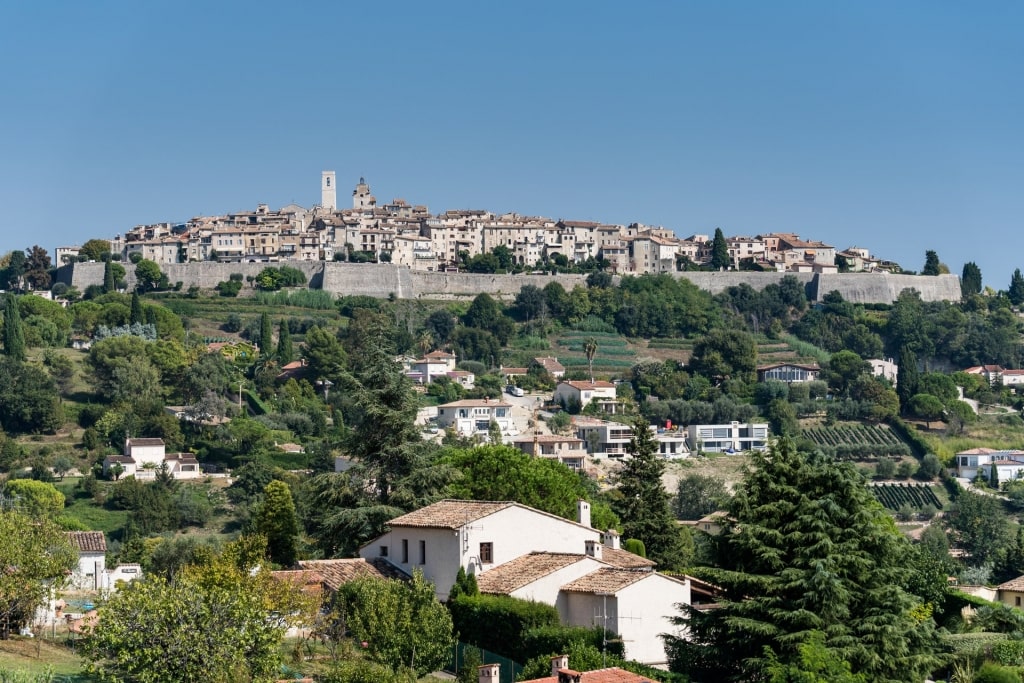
{"x":727,"y":438}
{"x":472,"y":417}
{"x":1007,"y":464}
{"x":143,"y":457}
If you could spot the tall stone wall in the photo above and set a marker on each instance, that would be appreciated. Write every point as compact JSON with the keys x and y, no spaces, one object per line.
{"x":384,"y":279}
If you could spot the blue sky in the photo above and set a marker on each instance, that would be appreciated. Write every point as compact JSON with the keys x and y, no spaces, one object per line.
{"x":893,"y":126}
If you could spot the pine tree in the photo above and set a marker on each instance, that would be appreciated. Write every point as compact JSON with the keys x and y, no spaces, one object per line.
{"x":970,"y":279}
{"x":266,"y":334}
{"x":285,"y":352}
{"x":137,"y":316}
{"x":931,"y":263}
{"x":277,"y":520}
{"x":809,"y":551}
{"x":1016,"y":291}
{"x":644,"y":506}
{"x":108,"y":277}
{"x":719,"y":251}
{"x":907,"y":377}
{"x":14,"y":336}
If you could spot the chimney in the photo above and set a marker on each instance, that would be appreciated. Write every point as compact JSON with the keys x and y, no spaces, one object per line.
{"x":593,"y":549}
{"x":611,"y":539}
{"x":583,"y":512}
{"x":488,"y":673}
{"x":559,"y":662}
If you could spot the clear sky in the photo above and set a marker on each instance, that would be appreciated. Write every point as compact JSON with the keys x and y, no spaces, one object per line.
{"x":896,"y":126}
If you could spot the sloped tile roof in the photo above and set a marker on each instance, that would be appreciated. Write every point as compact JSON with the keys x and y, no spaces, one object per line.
{"x":623,"y":559}
{"x":523,"y":570}
{"x":449,"y":514}
{"x":1012,"y":585}
{"x":605,"y":581}
{"x":335,"y":573}
{"x":610,"y":675}
{"x":146,"y":442}
{"x":88,"y":541}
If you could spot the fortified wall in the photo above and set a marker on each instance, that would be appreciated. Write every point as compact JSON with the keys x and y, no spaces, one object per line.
{"x":384,"y":279}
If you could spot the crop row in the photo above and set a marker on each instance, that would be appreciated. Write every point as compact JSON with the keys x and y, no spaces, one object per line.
{"x":852,"y":434}
{"x":895,"y":496}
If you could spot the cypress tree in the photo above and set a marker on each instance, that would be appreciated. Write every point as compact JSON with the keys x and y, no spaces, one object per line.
{"x":14,"y":336}
{"x":719,"y":251}
{"x":931,"y":263}
{"x":137,"y":316}
{"x":970,"y":279}
{"x":266,"y":334}
{"x":907,"y":377}
{"x":644,"y":507}
{"x":277,"y":520}
{"x":1016,"y":291}
{"x":285,"y":352}
{"x":108,"y":277}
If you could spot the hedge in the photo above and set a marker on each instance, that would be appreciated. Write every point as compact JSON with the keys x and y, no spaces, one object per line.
{"x":499,"y":623}
{"x":554,"y":640}
{"x":918,"y":445}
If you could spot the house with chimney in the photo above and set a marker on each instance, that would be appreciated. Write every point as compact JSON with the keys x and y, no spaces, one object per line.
{"x":562,"y":673}
{"x":516,"y":550}
{"x":584,"y":393}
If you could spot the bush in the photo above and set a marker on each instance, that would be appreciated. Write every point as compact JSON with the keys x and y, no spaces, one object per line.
{"x":499,"y":623}
{"x":885,"y":468}
{"x":994,"y":673}
{"x":548,"y":641}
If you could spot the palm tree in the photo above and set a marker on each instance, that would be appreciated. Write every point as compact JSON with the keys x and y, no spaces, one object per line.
{"x":590,"y":349}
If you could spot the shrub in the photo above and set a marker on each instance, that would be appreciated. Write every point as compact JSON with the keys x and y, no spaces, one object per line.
{"x":994,"y":673}
{"x":499,"y":623}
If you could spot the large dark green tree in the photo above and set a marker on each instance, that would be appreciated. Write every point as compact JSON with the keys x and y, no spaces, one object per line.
{"x":907,"y":377}
{"x":277,"y":521}
{"x":720,"y":251}
{"x":266,"y":340}
{"x":1016,"y":290}
{"x":14,"y":336}
{"x":931,"y":263}
{"x":285,"y":351}
{"x":643,"y":505}
{"x":725,"y":354}
{"x":810,"y":551}
{"x":970,"y":279}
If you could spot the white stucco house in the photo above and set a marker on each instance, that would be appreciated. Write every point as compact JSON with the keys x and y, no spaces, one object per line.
{"x":92,"y":559}
{"x":728,"y":438}
{"x":472,"y":417}
{"x":143,"y":457}
{"x":585,"y":392}
{"x":526,"y":553}
{"x":1009,"y":464}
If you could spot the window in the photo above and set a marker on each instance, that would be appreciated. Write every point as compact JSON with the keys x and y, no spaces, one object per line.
{"x":423,"y":552}
{"x":1018,"y":600}
{"x":487,"y":555}
{"x":405,"y":551}
{"x":383,"y":551}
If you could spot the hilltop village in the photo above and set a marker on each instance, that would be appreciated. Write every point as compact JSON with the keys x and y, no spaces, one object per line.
{"x":409,"y":235}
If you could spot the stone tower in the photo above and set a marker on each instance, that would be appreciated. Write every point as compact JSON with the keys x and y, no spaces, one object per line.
{"x":328,"y":192}
{"x":361,"y":197}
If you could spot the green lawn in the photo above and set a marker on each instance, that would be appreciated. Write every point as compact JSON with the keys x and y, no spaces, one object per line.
{"x":38,"y":656}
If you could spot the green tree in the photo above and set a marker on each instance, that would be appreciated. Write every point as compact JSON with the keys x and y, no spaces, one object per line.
{"x":147,"y":630}
{"x":266,"y":338}
{"x":285,"y":352}
{"x":35,"y":498}
{"x":698,"y":495}
{"x":810,"y":550}
{"x":970,"y":280}
{"x":95,"y":250}
{"x":782,"y":417}
{"x":815,"y":664}
{"x":14,"y":336}
{"x":36,"y":556}
{"x":325,"y":355}
{"x":506,"y":473}
{"x":137,"y":316}
{"x":485,"y":313}
{"x":720,"y":251}
{"x":926,"y":407}
{"x":931,"y":263}
{"x":644,"y":503}
{"x":979,"y":527}
{"x":147,"y":275}
{"x":29,"y":402}
{"x":843,"y":368}
{"x":276,"y":520}
{"x":725,"y":354}
{"x":1016,"y":290}
{"x":109,"y":283}
{"x":907,"y":377}
{"x":402,"y":623}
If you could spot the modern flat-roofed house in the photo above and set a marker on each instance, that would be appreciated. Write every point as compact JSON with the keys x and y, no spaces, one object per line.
{"x":603,"y":438}
{"x":728,"y":438}
{"x":472,"y":417}
{"x":790,"y":373}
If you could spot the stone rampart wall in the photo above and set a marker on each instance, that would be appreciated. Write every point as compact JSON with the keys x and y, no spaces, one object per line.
{"x":385,"y":279}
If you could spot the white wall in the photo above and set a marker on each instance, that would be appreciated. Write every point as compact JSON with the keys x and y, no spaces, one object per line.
{"x":89,"y":563}
{"x":546,"y":588}
{"x":644,"y":609}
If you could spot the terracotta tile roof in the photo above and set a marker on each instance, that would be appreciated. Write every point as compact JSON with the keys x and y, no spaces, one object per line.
{"x":88,"y":541}
{"x":610,"y":675}
{"x":306,"y":580}
{"x":438,"y":354}
{"x":550,"y":364}
{"x":623,"y":559}
{"x":589,"y":386}
{"x":146,"y":442}
{"x":1012,"y":585}
{"x":605,"y":581}
{"x":335,"y":573}
{"x":513,"y":371}
{"x":449,"y":514}
{"x":523,"y":570}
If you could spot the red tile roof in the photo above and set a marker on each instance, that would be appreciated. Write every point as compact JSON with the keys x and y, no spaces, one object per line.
{"x":610,"y":675}
{"x":335,"y":573}
{"x":524,"y":570}
{"x":88,"y":541}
